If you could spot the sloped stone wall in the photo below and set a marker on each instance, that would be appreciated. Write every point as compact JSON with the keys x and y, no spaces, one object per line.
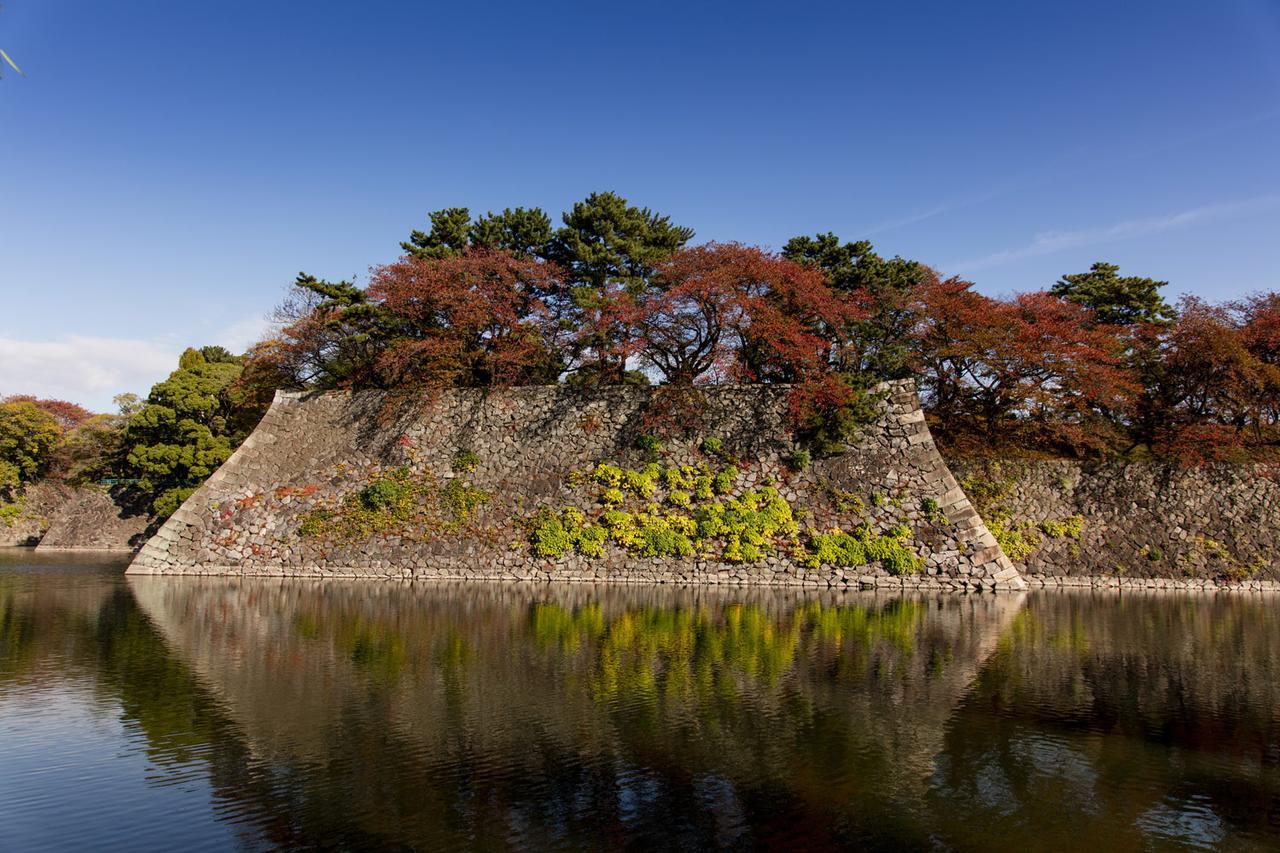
{"x":312,"y":449}
{"x":91,"y":520}
{"x":1132,"y":522}
{"x":40,"y":503}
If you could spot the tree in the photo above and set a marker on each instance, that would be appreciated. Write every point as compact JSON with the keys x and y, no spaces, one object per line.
{"x":1030,"y":370}
{"x":523,"y":232}
{"x":1116,"y":300}
{"x":608,"y":250}
{"x":28,"y":435}
{"x":93,"y":450}
{"x":470,"y":320}
{"x":67,"y":414}
{"x":878,"y":343}
{"x":184,"y":432}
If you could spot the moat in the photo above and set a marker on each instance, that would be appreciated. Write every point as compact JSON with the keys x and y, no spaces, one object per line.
{"x":147,"y":713}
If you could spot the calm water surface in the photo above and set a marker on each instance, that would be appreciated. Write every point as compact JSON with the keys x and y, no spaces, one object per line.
{"x":152,"y":713}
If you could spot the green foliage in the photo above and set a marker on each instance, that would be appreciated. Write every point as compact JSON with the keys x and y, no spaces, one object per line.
{"x":1072,"y":525}
{"x":28,"y":435}
{"x":844,"y":501}
{"x":465,"y":461}
{"x":723,"y":482}
{"x":524,"y":232}
{"x":184,"y":432}
{"x":878,"y":499}
{"x":930,"y":508}
{"x":650,"y":444}
{"x":462,"y":499}
{"x":167,"y":502}
{"x":549,"y":536}
{"x":739,"y":529}
{"x":798,"y":460}
{"x":1115,"y":299}
{"x":398,"y":501}
{"x":11,"y":510}
{"x":860,"y":548}
{"x":642,"y":483}
{"x":606,"y":240}
{"x":553,"y":535}
{"x":886,"y":287}
{"x":1017,"y":541}
{"x":712,"y":446}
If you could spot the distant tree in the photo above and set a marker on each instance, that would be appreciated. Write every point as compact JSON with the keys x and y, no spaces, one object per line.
{"x":28,"y":435}
{"x":218,"y":355}
{"x":331,"y":337}
{"x":128,"y":403}
{"x":878,"y":345}
{"x":1115,"y":299}
{"x":68,"y":415}
{"x":184,"y":431}
{"x":93,"y":450}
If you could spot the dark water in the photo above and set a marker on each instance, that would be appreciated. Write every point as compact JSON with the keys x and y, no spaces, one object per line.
{"x":149,"y":713}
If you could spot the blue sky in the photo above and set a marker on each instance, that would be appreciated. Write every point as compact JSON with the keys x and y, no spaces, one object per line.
{"x":167,"y":167}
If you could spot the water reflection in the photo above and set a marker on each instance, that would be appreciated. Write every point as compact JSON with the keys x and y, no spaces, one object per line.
{"x":386,"y":715}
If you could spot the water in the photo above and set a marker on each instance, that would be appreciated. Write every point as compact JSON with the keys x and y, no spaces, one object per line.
{"x":155,"y":713}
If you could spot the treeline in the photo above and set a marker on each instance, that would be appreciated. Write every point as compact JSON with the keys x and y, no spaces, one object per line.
{"x":1097,"y":364}
{"x":153,"y":452}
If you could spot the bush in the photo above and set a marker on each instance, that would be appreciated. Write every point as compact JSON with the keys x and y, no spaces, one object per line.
{"x":861,"y":548}
{"x":650,"y":444}
{"x":462,"y":499}
{"x":465,"y":461}
{"x":712,"y":446}
{"x":799,"y":460}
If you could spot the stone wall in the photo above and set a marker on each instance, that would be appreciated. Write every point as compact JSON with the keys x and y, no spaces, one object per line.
{"x":58,"y":517}
{"x":39,"y":505}
{"x":526,"y":448}
{"x":90,"y":519}
{"x":1127,"y":524}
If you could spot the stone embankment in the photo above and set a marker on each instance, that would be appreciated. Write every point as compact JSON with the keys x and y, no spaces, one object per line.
{"x":553,"y":483}
{"x":57,"y":517}
{"x":1134,"y":525}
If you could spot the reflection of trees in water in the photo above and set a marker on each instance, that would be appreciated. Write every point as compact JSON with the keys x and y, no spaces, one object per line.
{"x":510,"y":711}
{"x":1162,"y":712}
{"x":378,"y":715}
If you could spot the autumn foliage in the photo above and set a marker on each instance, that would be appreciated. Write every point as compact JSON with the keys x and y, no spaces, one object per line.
{"x":1099,"y":365}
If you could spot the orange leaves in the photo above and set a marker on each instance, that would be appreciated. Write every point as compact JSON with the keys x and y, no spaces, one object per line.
{"x":725,"y":311}
{"x":471,"y":319}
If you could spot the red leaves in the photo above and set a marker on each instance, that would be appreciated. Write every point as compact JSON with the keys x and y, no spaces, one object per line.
{"x":68,"y":415}
{"x":1034,"y":363}
{"x":472,"y":319}
{"x":725,"y":311}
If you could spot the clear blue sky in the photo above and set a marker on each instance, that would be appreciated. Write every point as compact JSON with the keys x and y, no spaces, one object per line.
{"x":167,"y":167}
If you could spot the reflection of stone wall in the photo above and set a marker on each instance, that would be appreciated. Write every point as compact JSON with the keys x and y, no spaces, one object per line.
{"x":316,"y":448}
{"x":1143,"y":520}
{"x":504,"y":670}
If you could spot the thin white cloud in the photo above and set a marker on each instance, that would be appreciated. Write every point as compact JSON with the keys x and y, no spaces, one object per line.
{"x":1056,"y":241}
{"x":242,"y":334}
{"x":930,"y":213}
{"x":82,"y":369}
